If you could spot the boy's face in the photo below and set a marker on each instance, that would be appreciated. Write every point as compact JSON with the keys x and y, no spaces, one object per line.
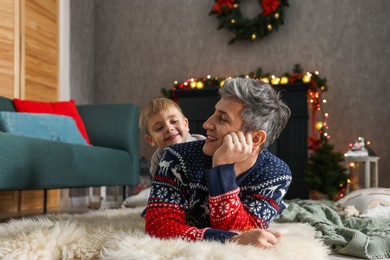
{"x":226,"y":119}
{"x":167,"y":128}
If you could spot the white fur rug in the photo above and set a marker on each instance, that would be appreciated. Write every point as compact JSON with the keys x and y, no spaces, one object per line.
{"x":119,"y":234}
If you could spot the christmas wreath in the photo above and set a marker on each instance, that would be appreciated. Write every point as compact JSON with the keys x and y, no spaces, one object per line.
{"x":230,"y":16}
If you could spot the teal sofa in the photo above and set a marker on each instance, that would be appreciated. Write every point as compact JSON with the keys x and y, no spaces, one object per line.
{"x":28,"y":163}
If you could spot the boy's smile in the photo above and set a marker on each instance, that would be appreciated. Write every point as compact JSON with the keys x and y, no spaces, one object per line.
{"x":171,"y":137}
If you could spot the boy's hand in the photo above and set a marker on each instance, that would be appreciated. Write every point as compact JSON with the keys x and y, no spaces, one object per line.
{"x":257,"y":237}
{"x":236,"y":148}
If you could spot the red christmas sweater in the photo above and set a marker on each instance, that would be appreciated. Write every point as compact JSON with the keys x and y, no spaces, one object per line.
{"x":192,"y":200}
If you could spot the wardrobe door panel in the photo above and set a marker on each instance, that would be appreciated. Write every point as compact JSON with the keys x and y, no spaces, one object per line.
{"x":9,"y":48}
{"x":40,"y":50}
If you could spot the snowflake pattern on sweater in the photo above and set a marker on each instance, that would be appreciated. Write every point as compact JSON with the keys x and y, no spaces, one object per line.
{"x":192,"y":200}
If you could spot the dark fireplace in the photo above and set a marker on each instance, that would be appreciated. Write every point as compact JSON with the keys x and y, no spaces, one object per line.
{"x":291,"y":146}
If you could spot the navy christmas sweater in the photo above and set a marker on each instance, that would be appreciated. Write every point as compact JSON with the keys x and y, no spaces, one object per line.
{"x":192,"y":200}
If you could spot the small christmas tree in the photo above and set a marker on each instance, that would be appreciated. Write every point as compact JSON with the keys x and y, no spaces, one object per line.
{"x":324,"y":171}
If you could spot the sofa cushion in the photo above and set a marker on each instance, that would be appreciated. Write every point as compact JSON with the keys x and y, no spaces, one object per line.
{"x":45,"y":126}
{"x":32,"y":163}
{"x":66,"y":108}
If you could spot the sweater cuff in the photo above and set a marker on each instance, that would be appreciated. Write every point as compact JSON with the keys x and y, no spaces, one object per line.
{"x":221,"y":179}
{"x":218,"y":235}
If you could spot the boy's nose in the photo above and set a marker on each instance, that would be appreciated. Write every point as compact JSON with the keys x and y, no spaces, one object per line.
{"x":170,"y":128}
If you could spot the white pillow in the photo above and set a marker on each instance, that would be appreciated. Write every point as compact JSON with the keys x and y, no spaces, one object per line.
{"x":365,"y":199}
{"x":141,"y":199}
{"x":377,"y":212}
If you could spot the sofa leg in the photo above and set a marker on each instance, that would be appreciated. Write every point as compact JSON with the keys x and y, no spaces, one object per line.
{"x":124,"y":194}
{"x":44,"y":201}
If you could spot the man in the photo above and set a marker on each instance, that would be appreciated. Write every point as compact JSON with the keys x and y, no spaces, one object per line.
{"x":228,"y":187}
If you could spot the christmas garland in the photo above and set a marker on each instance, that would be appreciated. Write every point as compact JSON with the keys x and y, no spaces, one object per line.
{"x":317,"y":86}
{"x":230,"y":17}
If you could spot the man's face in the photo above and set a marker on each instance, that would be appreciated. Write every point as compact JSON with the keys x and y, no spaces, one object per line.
{"x":226,"y":119}
{"x":167,"y":128}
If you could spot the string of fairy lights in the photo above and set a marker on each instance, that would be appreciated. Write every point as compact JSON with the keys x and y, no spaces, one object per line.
{"x":314,"y":96}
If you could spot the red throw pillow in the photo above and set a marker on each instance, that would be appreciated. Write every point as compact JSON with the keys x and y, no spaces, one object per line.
{"x":66,"y":108}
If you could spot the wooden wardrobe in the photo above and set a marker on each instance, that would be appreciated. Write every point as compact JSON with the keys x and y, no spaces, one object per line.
{"x":29,"y":69}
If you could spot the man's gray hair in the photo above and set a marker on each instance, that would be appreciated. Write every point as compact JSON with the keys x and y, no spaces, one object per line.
{"x":264,"y":108}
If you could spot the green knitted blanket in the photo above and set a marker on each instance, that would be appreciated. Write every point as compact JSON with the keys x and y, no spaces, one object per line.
{"x":356,"y":236}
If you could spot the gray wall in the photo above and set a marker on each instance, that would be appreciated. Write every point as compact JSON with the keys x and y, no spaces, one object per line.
{"x":82,"y":51}
{"x":126,"y":50}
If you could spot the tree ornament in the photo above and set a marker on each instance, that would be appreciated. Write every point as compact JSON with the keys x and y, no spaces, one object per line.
{"x":306,"y":78}
{"x":266,"y":80}
{"x":230,"y":17}
{"x":275,"y":80}
{"x":199,"y":85}
{"x":284,"y":80}
{"x":319,"y":125}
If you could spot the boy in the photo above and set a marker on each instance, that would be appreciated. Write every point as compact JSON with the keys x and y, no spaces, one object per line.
{"x":164,"y":124}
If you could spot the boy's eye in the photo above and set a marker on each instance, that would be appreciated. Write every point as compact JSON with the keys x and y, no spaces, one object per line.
{"x":158,"y":129}
{"x":174,"y":121}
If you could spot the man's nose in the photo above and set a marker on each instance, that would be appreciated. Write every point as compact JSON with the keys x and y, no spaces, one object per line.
{"x":208,"y":124}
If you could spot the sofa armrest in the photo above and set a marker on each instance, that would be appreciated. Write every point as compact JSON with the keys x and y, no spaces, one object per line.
{"x":112,"y":125}
{"x":6,"y":104}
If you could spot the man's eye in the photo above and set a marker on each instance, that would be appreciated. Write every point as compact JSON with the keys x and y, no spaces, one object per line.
{"x":222,"y":120}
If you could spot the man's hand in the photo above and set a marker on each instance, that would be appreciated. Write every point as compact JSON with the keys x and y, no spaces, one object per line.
{"x":257,"y":237}
{"x":236,"y":148}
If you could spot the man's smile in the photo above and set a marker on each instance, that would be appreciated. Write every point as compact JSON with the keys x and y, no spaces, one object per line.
{"x":211,"y":138}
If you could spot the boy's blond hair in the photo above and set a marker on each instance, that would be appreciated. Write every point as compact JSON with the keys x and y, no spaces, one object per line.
{"x":155,"y":107}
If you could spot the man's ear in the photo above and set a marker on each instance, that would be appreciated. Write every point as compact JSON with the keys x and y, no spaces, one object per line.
{"x":258,"y":138}
{"x":150,"y":141}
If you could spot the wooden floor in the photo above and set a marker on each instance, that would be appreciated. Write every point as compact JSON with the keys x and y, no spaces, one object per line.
{"x":6,"y":216}
{"x":114,"y":198}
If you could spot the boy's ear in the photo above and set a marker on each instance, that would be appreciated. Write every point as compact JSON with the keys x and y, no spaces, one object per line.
{"x":150,"y":141}
{"x":258,"y":138}
{"x":186,"y":123}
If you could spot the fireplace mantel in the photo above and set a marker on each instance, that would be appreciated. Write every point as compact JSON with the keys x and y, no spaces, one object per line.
{"x":291,"y":146}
